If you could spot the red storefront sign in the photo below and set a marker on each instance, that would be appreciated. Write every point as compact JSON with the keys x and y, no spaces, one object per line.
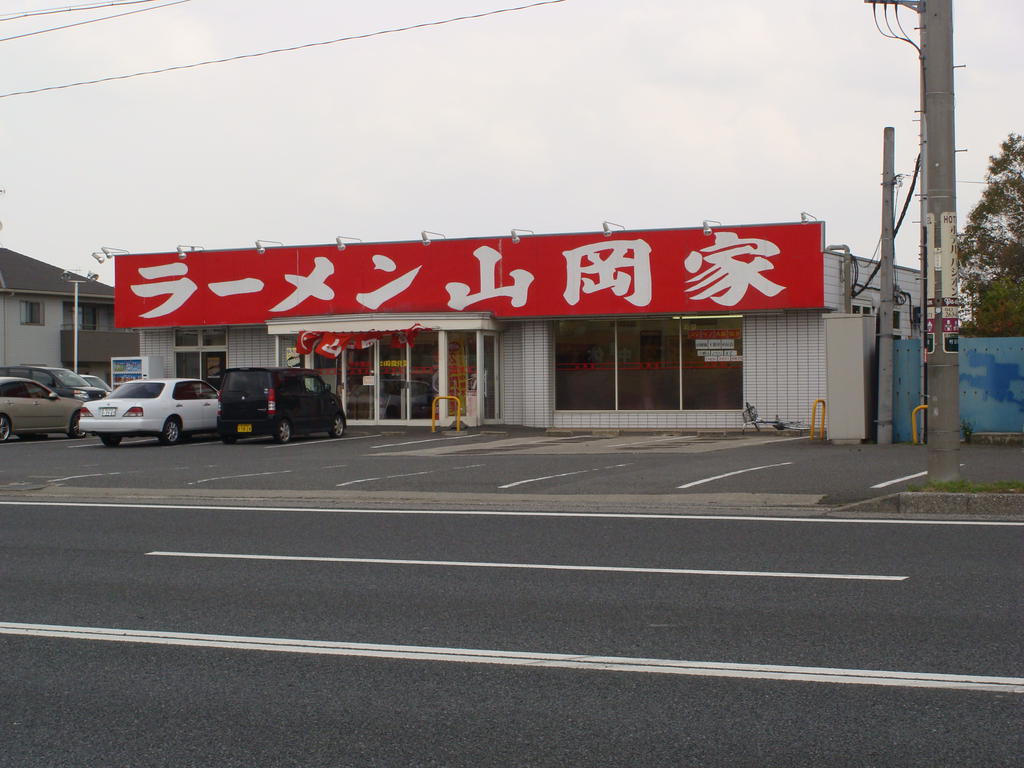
{"x":732,"y":269}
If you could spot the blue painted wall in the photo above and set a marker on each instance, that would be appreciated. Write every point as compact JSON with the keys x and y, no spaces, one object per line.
{"x":992,"y":384}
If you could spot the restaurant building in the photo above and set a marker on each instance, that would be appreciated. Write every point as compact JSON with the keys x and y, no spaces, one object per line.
{"x":665,"y":328}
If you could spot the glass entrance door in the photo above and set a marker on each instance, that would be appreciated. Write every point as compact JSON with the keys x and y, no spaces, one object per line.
{"x":359,"y":384}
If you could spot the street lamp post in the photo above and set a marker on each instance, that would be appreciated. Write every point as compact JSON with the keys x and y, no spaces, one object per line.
{"x":76,"y":279}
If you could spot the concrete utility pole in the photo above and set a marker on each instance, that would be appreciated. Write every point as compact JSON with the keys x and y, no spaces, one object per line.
{"x":938,"y":166}
{"x":885,"y":281}
{"x":940,"y":189}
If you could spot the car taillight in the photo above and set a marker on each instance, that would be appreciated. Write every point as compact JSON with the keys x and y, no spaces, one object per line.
{"x":83,"y":411}
{"x":135,"y":410}
{"x":271,"y":401}
{"x":219,"y":396}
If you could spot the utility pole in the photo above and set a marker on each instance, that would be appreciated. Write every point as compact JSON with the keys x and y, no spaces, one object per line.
{"x":942,"y":302}
{"x":942,"y":312}
{"x":888,"y":255}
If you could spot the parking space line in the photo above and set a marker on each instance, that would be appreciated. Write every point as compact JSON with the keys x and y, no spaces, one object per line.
{"x":900,"y":479}
{"x":78,"y":477}
{"x":407,"y":474}
{"x":563,"y":474}
{"x":382,"y":477}
{"x":651,"y":442}
{"x":737,"y":472}
{"x":232,"y":477}
{"x":531,"y":566}
{"x":325,"y":440}
{"x":531,"y":659}
{"x":414,"y":442}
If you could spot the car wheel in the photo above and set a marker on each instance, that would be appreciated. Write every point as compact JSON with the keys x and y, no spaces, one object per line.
{"x":111,"y":441}
{"x":282,"y":431}
{"x":74,"y":430}
{"x":228,"y":439}
{"x":6,"y":429}
{"x":171,"y":433}
{"x":337,"y":426}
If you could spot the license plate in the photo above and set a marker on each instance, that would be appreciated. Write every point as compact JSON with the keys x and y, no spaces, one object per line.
{"x":244,"y":427}
{"x":108,"y":411}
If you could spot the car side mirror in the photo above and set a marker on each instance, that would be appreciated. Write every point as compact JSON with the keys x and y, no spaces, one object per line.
{"x":53,"y":396}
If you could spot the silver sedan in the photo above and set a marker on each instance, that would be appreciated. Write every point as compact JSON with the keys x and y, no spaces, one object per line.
{"x":170,"y":409}
{"x":27,"y":407}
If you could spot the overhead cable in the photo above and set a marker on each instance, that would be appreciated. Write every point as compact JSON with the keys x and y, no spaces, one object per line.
{"x":92,"y":21}
{"x":303,"y":46}
{"x":69,"y":8}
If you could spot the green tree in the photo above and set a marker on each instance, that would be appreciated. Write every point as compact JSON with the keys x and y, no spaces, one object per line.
{"x":998,"y":310}
{"x":991,"y":248}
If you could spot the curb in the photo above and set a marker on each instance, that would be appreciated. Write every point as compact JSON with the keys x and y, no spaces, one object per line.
{"x":945,"y":505}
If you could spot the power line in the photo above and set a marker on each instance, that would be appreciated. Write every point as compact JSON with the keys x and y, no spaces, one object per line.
{"x":69,"y":8}
{"x":91,"y":21}
{"x":346,"y":39}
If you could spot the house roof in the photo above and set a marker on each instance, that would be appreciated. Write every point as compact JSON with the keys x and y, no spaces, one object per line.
{"x":19,"y":272}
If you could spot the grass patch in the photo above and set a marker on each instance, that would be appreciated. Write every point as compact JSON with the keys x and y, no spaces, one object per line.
{"x":964,"y":486}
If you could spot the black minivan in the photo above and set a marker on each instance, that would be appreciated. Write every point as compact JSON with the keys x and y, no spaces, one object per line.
{"x":279,"y":402}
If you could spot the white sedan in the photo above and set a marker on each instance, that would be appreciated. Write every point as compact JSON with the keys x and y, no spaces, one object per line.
{"x":171,"y":409}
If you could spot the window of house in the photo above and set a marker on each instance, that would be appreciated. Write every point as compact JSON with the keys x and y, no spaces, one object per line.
{"x":31,"y":313}
{"x":649,"y":364}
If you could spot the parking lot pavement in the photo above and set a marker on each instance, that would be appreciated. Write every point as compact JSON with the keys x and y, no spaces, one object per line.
{"x":497,"y":467}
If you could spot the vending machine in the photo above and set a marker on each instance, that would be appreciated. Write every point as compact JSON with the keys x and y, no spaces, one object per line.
{"x":124,"y":369}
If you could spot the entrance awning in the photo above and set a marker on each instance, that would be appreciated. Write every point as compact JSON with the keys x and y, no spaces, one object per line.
{"x":438,"y":321}
{"x":329,"y":344}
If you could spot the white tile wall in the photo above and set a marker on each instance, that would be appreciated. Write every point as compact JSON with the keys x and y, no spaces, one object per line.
{"x":248,"y":346}
{"x":159,"y":342}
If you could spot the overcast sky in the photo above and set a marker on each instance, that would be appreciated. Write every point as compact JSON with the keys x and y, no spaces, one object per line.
{"x":646,"y":113}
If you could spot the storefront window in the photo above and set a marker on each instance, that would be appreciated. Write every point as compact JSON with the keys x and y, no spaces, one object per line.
{"x":585,"y":365}
{"x":649,"y":364}
{"x":713,"y":364}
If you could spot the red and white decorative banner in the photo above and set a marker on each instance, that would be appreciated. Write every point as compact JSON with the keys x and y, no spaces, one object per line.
{"x":664,"y":271}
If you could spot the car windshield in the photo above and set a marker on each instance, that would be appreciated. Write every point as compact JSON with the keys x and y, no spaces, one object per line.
{"x":69,"y":378}
{"x":141,"y":390}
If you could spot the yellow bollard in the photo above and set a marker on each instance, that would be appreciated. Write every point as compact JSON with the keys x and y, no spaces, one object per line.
{"x":814,"y":413}
{"x":913,"y":421}
{"x":434,"y":411}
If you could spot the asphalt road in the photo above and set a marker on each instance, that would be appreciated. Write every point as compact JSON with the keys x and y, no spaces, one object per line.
{"x":332,"y":638}
{"x":678,"y":470}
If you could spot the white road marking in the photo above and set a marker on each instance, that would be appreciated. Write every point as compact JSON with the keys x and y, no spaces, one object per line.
{"x":649,"y":442}
{"x":382,"y":477}
{"x":563,"y":474}
{"x":100,"y":445}
{"x":77,"y":477}
{"x":579,"y":662}
{"x":536,"y":566}
{"x":681,"y":517}
{"x":408,"y":474}
{"x":900,"y":480}
{"x":730,"y":474}
{"x":232,"y":477}
{"x":414,"y":442}
{"x":325,"y":440}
